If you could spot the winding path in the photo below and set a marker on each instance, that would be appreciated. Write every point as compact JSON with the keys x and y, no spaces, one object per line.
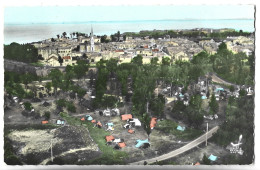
{"x":181,"y":150}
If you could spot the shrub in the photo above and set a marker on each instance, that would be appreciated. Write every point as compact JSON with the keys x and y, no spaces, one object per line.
{"x":47,"y":115}
{"x":27,"y":106}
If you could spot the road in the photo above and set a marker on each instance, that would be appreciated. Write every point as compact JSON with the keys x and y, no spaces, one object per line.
{"x":217,"y":79}
{"x":181,"y":150}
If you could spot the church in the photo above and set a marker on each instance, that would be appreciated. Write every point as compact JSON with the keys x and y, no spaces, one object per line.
{"x":90,"y":44}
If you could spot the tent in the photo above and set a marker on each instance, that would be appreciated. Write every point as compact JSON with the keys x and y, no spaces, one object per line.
{"x":93,"y":121}
{"x":110,"y":138}
{"x":219,"y":89}
{"x":180,"y":128}
{"x":44,"y":122}
{"x":153,"y":122}
{"x":60,"y":122}
{"x":213,"y":158}
{"x":82,"y":119}
{"x":203,"y":97}
{"x":110,"y":124}
{"x":126,"y":116}
{"x":141,"y":142}
{"x":131,"y":131}
{"x":122,"y":144}
{"x":89,"y":117}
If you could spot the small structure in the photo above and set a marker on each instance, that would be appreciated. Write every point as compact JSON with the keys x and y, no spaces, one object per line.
{"x":82,"y":119}
{"x":44,"y":121}
{"x":140,"y":143}
{"x":15,"y":99}
{"x":93,"y":121}
{"x":153,"y":122}
{"x":180,"y":128}
{"x":60,"y":122}
{"x":212,"y":157}
{"x":219,"y":89}
{"x":126,"y":116}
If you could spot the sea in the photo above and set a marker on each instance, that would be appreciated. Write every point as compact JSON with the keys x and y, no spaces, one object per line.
{"x":33,"y":32}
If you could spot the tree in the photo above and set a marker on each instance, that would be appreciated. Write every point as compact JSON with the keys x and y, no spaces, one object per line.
{"x":26,"y":79}
{"x":154,"y":61}
{"x":64,"y":34}
{"x":205,"y":160}
{"x":58,"y":36}
{"x":80,"y":69}
{"x":213,"y":104}
{"x":47,"y":115}
{"x":56,"y":77}
{"x":146,"y":122}
{"x":138,"y":60}
{"x":48,"y":86}
{"x":166,"y":61}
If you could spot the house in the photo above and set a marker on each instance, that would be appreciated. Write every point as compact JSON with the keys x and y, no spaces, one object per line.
{"x":126,"y":116}
{"x":153,"y":122}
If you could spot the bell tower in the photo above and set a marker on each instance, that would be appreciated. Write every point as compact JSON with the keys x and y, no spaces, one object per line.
{"x":92,"y":42}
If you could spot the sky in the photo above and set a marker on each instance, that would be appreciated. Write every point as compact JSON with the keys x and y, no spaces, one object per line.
{"x":65,"y":14}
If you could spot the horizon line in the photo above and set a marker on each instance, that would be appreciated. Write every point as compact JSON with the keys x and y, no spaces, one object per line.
{"x":78,"y":22}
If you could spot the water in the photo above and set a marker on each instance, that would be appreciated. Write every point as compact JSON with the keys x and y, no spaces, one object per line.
{"x":26,"y":33}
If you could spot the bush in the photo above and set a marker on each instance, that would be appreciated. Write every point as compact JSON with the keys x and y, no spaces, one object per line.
{"x":27,"y":106}
{"x":47,"y":115}
{"x":71,"y":107}
{"x":61,"y":102}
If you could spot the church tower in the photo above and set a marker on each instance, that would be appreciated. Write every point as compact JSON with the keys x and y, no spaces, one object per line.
{"x":92,"y":45}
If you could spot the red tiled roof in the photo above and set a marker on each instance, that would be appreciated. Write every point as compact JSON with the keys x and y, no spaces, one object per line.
{"x":122,"y":144}
{"x":66,"y":57}
{"x":126,"y":117}
{"x":109,"y":138}
{"x":119,"y":50}
{"x":155,"y":49}
{"x":153,"y":122}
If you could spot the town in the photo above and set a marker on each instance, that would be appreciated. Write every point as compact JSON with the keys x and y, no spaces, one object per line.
{"x":154,"y":97}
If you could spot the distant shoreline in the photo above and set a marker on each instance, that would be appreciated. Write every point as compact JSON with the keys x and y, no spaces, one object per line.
{"x":127,"y":21}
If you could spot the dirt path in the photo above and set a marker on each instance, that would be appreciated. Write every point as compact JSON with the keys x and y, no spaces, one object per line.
{"x":217,"y":79}
{"x":44,"y":162}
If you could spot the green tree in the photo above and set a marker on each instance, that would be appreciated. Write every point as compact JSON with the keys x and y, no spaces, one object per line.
{"x":138,"y":60}
{"x":56,"y":77}
{"x":154,"y":61}
{"x":213,"y":104}
{"x":166,"y":61}
{"x":205,"y":160}
{"x":26,"y":79}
